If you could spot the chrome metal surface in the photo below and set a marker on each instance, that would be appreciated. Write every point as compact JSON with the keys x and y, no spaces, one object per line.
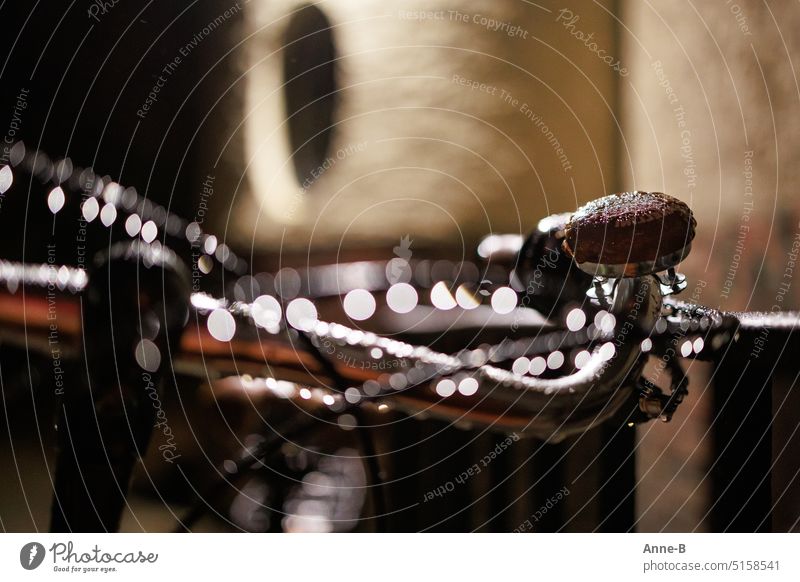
{"x":637,"y":269}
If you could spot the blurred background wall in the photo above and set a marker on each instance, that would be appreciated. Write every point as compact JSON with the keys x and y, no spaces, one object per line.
{"x":450,"y":120}
{"x":711,"y":113}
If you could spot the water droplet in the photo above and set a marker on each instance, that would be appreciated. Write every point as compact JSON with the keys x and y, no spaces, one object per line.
{"x":133,"y":225}
{"x":90,"y":209}
{"x":62,"y":277}
{"x":538,"y":365}
{"x":504,"y":300}
{"x":465,"y":299}
{"x":205,"y":264}
{"x":441,"y":297}
{"x":221,"y":325}
{"x":149,"y":231}
{"x":129,"y":198}
{"x":112,"y":193}
{"x":148,"y":356}
{"x":108,"y":215}
{"x":576,"y":319}
{"x":62,"y":171}
{"x":402,"y":298}
{"x":17,"y":153}
{"x":445,"y":388}
{"x":97,"y":186}
{"x":223,"y":253}
{"x":359,"y":304}
{"x":555,"y":360}
{"x":582,"y":358}
{"x":371,"y":388}
{"x":347,"y":422}
{"x":281,"y":388}
{"x":266,"y":311}
{"x":301,"y":314}
{"x":56,"y":199}
{"x":287,"y":283}
{"x":468,"y":386}
{"x":398,"y":381}
{"x":398,"y":271}
{"x":159,"y":216}
{"x":606,"y":322}
{"x":521,"y":365}
{"x":607,"y":351}
{"x":193,"y":232}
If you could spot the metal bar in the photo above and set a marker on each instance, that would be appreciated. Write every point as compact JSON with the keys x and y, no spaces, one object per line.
{"x":617,"y":475}
{"x":742,"y":431}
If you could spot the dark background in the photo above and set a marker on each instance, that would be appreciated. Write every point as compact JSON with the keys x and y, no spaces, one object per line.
{"x":86,"y":81}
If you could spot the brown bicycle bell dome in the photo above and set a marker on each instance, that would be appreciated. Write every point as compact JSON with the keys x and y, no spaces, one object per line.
{"x":630,"y":234}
